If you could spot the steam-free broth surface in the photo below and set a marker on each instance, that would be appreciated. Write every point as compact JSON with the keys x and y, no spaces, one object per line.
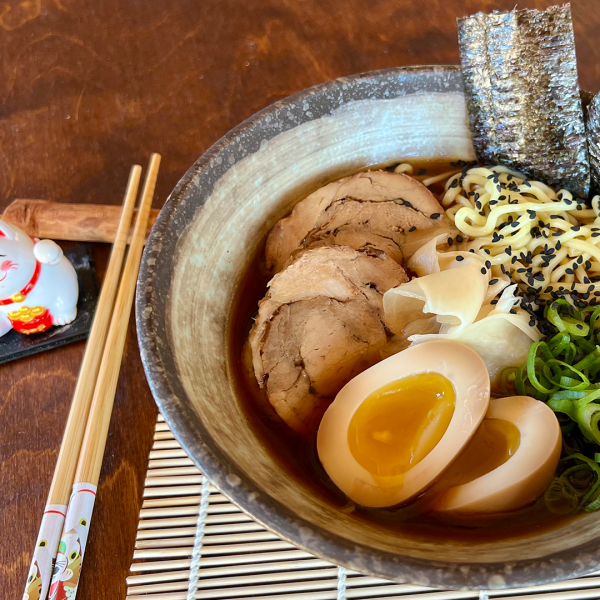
{"x":297,"y":455}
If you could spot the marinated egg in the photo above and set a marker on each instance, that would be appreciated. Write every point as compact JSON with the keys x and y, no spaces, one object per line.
{"x":393,"y":429}
{"x":509,"y":462}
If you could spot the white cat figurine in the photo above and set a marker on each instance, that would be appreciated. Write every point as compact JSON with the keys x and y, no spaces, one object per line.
{"x":38,"y":285}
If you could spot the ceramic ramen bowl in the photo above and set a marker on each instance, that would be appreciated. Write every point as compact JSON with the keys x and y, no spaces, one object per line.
{"x":212,"y":222}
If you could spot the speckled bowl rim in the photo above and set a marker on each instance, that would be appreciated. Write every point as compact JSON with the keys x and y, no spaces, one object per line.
{"x":152,"y":302}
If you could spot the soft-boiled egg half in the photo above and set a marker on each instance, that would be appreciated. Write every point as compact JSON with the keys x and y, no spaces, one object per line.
{"x":510,"y":461}
{"x":395,"y":428}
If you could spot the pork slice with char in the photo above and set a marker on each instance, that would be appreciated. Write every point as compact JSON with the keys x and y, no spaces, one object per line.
{"x":320,"y":324}
{"x":375,"y":209}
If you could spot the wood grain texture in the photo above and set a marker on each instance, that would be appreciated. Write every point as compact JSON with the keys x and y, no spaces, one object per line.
{"x":89,"y":87}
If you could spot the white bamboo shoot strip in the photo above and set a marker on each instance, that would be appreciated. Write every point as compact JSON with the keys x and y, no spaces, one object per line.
{"x":230,"y":570}
{"x":161,"y":426}
{"x":176,"y":501}
{"x":232,"y":538}
{"x":173,"y":491}
{"x":147,"y":534}
{"x":166,"y":444}
{"x":173,"y":472}
{"x":66,"y":463}
{"x":180,"y":480}
{"x":160,"y":418}
{"x":223,"y":560}
{"x":205,"y":595}
{"x":181,"y":511}
{"x":187,"y":521}
{"x":156,"y":454}
{"x":170,"y":462}
{"x":212,"y":550}
{"x":233,"y":581}
{"x":213,"y":509}
{"x":163,"y":435}
{"x":297,"y":586}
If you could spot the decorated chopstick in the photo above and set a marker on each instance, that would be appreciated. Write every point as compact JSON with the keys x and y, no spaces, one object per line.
{"x":81,"y":504}
{"x":40,"y":571}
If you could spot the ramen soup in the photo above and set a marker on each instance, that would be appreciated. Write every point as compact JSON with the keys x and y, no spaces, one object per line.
{"x":397,"y":394}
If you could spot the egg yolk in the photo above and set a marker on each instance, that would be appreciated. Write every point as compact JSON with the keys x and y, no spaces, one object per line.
{"x":400,"y":423}
{"x":493,"y":444}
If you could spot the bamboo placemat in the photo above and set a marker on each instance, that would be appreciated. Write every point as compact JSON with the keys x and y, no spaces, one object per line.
{"x":193,"y":543}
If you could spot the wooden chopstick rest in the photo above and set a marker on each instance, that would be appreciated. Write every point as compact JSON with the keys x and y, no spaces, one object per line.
{"x":62,"y":221}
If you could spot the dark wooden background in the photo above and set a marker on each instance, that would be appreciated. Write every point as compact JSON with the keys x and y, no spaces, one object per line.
{"x":89,"y":87}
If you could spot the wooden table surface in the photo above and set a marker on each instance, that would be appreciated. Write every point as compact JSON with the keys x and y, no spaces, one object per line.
{"x":89,"y":87}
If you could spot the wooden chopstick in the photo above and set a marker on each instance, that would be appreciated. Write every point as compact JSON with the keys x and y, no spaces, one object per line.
{"x":79,"y":512}
{"x":50,"y":530}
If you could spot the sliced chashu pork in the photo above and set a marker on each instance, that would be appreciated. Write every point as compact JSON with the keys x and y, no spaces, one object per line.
{"x":376,"y":209}
{"x":320,"y":324}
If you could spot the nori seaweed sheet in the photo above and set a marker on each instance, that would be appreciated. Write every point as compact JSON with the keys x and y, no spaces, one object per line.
{"x":520,"y":77}
{"x":593,"y":126}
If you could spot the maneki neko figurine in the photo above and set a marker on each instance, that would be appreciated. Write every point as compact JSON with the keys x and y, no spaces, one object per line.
{"x":38,"y":285}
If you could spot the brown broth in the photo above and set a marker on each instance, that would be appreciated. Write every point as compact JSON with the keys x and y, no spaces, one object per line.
{"x":297,"y":455}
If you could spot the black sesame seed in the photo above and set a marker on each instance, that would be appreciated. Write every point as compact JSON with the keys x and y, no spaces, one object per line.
{"x":494,"y":301}
{"x":413,"y":228}
{"x":513,"y":311}
{"x":459,"y":239}
{"x":471,"y":250}
{"x":460,"y":258}
{"x":486,"y":251}
{"x":558,"y":245}
{"x":450,"y":241}
{"x":483,"y":271}
{"x":508,"y":250}
{"x":493,"y":282}
{"x":532,"y":322}
{"x":569,"y":271}
{"x":532,"y":214}
{"x":575,"y":228}
{"x":421,"y":171}
{"x":434,"y":216}
{"x":488,"y":264}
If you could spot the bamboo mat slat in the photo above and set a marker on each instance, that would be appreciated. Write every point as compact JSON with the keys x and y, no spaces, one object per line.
{"x":234,"y":558}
